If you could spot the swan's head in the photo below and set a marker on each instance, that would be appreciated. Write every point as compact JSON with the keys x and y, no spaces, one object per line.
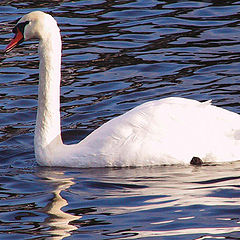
{"x":36,"y":24}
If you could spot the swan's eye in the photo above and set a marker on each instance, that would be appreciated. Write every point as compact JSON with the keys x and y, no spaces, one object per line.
{"x":20,"y":26}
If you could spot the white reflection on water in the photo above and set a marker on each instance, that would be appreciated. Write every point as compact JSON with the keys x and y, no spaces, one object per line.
{"x":177,"y":201}
{"x":188,"y":231}
{"x":58,"y":220}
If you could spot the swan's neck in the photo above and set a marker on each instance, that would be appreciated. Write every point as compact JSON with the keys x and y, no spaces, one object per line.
{"x":48,"y":129}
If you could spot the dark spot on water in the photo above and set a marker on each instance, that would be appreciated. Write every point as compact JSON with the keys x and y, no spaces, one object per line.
{"x":196,"y":161}
{"x":106,"y":185}
{"x":218,"y":180}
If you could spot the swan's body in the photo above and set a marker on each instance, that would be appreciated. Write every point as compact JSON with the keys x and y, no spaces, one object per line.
{"x":167,"y":131}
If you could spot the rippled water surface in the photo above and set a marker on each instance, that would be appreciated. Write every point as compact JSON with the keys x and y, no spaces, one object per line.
{"x":116,"y":55}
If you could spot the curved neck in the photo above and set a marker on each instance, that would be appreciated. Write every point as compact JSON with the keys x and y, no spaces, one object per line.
{"x":48,"y":127}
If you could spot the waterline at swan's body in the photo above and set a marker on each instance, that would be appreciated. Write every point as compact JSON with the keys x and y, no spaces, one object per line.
{"x":166,"y":131}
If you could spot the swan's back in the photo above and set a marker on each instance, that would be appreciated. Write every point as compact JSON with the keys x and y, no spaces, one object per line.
{"x":167,"y":131}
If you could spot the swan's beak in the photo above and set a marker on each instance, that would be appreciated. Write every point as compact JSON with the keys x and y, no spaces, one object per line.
{"x":18,"y":38}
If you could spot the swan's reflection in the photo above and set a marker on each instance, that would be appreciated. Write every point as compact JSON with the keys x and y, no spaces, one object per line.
{"x":58,"y":222}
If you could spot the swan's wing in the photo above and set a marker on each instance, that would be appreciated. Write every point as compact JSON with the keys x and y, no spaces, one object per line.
{"x":172,"y":130}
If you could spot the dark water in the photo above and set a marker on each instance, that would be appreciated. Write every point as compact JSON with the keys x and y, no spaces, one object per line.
{"x":116,"y":55}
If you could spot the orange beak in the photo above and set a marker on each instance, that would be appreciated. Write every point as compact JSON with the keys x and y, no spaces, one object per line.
{"x":15,"y":41}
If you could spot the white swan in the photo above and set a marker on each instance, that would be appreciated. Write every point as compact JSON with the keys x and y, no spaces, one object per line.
{"x":167,"y":131}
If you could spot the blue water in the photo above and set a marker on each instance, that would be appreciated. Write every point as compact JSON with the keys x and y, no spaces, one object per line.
{"x":117,"y":55}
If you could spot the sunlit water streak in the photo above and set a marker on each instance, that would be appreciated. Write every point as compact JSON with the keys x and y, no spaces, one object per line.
{"x":116,"y":55}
